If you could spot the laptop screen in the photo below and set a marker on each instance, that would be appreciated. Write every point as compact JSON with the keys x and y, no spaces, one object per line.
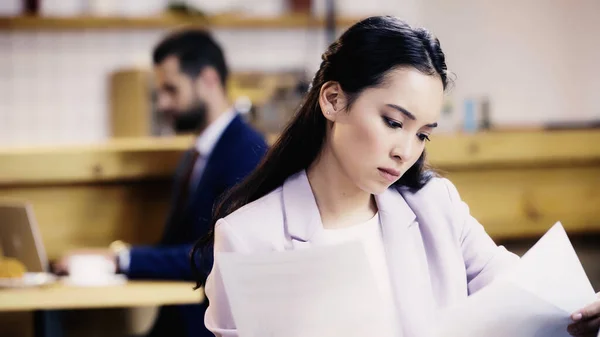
{"x":20,"y":238}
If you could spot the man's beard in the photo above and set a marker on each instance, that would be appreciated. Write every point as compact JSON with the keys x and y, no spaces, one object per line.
{"x":192,"y":120}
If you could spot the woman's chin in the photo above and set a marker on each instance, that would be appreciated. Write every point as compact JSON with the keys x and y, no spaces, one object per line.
{"x":376,"y":187}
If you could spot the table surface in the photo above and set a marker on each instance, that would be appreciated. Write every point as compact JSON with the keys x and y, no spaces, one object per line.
{"x":131,"y":294}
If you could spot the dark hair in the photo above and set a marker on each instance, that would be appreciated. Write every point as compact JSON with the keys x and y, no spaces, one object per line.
{"x":195,"y":49}
{"x":359,"y":59}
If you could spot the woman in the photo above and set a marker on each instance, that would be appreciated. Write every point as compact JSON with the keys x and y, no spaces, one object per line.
{"x":351,"y":166}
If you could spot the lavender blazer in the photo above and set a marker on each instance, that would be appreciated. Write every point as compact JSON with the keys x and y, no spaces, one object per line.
{"x":437,"y":253}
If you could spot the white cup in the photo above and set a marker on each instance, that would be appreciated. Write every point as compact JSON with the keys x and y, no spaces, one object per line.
{"x":90,"y":270}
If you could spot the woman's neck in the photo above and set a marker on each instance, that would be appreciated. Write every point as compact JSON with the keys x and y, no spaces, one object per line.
{"x":341,"y":203}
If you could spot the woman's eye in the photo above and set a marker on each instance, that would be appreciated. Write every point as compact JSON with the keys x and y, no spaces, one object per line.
{"x":423,"y":137}
{"x":392,"y":123}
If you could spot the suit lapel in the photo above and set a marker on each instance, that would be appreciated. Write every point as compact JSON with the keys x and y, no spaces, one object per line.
{"x":180,"y":217}
{"x":407,"y":263}
{"x":212,"y":166}
{"x":302,"y":217}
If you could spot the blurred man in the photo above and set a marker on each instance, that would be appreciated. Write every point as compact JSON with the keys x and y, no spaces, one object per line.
{"x":191,"y":75}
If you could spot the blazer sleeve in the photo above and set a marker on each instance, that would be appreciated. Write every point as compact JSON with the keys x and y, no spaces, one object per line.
{"x":218,"y":318}
{"x":161,"y":263}
{"x":484,"y":260}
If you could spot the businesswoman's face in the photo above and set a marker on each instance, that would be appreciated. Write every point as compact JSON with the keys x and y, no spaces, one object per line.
{"x":384,"y":131}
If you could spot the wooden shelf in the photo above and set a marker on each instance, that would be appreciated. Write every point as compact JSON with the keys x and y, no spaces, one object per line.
{"x":116,"y":160}
{"x":167,"y":21}
{"x":137,"y":158}
{"x":516,"y":149}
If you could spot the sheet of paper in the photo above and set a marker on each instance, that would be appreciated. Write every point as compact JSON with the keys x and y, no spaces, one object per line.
{"x":504,"y":310}
{"x":535,"y":299}
{"x":551,"y":270}
{"x":322,"y":291}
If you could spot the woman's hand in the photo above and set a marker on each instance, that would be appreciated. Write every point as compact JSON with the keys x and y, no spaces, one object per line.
{"x":586,"y":321}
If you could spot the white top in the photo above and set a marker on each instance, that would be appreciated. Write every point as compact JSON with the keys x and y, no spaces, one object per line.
{"x":371,"y":236}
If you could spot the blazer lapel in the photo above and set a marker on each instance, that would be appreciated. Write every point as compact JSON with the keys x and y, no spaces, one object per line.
{"x":407,"y":263}
{"x":213,"y":164}
{"x":302,"y":217}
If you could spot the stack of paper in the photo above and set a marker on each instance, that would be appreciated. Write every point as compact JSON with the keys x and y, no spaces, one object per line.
{"x":322,"y":291}
{"x":535,"y":299}
{"x":330,"y":291}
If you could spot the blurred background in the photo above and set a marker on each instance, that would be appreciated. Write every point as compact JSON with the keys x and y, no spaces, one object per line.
{"x":532,"y":62}
{"x":81,"y":141}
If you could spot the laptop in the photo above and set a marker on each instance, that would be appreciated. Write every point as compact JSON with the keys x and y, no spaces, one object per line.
{"x":20,"y":237}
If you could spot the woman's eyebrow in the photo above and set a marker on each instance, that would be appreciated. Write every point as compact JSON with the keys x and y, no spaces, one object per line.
{"x":409,"y":115}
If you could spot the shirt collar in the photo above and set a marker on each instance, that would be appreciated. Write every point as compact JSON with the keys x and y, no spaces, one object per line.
{"x":211,"y":135}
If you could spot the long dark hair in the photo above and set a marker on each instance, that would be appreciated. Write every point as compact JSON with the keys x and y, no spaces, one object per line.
{"x":358,"y":60}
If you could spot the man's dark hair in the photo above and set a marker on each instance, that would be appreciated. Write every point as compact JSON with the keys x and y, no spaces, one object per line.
{"x":195,"y":49}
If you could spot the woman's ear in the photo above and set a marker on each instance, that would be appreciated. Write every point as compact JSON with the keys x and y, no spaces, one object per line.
{"x":331,"y":100}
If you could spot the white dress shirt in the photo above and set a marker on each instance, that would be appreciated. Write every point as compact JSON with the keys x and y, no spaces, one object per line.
{"x":205,"y":144}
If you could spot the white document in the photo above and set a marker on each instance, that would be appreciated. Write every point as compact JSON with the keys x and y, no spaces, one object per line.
{"x":536,"y":299}
{"x":322,"y":291}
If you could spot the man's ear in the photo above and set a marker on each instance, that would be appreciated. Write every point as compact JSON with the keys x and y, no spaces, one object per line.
{"x":331,"y":100}
{"x":209,"y":77}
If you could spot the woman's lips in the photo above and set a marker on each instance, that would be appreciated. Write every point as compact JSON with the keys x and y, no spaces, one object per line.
{"x":389,"y":174}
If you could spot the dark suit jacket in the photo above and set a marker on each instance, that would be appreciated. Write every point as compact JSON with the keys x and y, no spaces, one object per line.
{"x":235,"y":155}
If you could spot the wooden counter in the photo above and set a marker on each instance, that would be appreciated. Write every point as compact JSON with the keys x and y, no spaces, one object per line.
{"x":131,"y":294}
{"x":133,"y":159}
{"x":91,"y":195}
{"x":516,"y":183}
